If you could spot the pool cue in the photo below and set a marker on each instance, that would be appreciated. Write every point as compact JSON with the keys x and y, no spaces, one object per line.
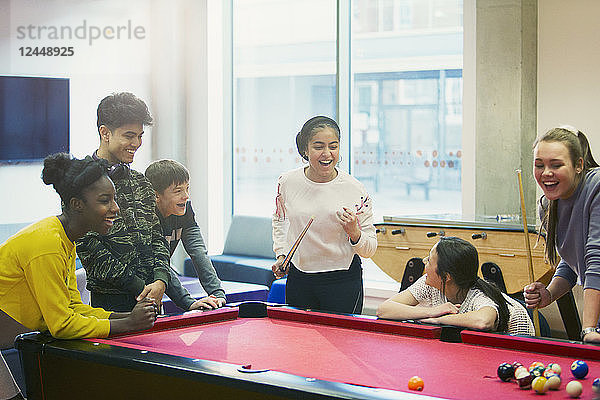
{"x":536,"y":315}
{"x":290,"y":254}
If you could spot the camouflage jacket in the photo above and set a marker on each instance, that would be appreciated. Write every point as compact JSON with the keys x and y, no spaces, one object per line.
{"x":135,"y":252}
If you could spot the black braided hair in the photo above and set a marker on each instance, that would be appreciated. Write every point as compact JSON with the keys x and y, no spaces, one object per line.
{"x":71,"y":176}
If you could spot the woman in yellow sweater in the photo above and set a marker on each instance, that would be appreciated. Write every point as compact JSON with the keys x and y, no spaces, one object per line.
{"x":38,"y":287}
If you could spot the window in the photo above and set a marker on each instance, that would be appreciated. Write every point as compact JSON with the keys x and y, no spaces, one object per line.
{"x":405,"y":117}
{"x":284,"y":66}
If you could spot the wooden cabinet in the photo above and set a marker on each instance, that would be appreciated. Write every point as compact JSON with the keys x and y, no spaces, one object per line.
{"x":400,"y":239}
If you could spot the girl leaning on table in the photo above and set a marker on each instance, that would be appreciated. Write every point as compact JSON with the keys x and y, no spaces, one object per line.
{"x":38,"y":287}
{"x":325,"y":272}
{"x":450,"y":292}
{"x":570,"y":211}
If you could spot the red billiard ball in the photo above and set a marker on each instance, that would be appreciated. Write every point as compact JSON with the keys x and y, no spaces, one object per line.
{"x":416,"y":383}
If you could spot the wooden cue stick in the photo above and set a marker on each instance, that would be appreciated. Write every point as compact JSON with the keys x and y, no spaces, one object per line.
{"x":296,"y":244}
{"x":536,"y":316}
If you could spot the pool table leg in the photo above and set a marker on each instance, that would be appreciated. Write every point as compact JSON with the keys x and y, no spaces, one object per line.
{"x":570,"y":316}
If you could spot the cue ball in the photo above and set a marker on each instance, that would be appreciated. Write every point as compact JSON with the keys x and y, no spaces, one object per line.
{"x":540,"y":385}
{"x":553,"y":382}
{"x":579,"y":369}
{"x":574,"y":388}
{"x":416,"y":383}
{"x":505,"y":372}
{"x":596,"y":385}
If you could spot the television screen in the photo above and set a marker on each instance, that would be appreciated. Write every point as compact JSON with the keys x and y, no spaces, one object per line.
{"x":34,"y":117}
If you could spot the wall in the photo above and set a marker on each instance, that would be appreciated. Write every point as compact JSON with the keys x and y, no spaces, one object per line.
{"x":568,"y":65}
{"x":97,"y":68}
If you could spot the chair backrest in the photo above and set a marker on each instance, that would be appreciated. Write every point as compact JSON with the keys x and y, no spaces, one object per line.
{"x":250,"y":236}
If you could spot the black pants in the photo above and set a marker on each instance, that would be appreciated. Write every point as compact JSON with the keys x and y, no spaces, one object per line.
{"x":335,"y":291}
{"x":113,"y":302}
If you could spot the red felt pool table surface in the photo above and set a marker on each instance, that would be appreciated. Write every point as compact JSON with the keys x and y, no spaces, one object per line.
{"x":360,"y":351}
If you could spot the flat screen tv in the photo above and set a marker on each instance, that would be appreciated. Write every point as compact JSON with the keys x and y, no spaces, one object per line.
{"x":34,"y":118}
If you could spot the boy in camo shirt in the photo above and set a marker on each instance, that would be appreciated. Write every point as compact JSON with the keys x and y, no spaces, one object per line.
{"x":132,"y":261}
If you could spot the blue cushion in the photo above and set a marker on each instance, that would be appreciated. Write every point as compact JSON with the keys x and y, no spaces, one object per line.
{"x":238,"y":269}
{"x":217,"y":261}
{"x":250,"y":236}
{"x":277,"y":291}
{"x":247,"y":254}
{"x":245,"y":269}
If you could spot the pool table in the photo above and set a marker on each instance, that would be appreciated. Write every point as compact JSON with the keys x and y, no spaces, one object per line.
{"x":288,"y":353}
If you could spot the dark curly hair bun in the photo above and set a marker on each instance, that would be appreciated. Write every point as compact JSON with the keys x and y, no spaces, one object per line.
{"x":70,"y":176}
{"x":55,"y":167}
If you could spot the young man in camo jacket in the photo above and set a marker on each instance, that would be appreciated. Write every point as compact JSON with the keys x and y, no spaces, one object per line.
{"x":132,"y":261}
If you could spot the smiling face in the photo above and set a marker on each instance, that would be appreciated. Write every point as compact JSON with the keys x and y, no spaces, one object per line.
{"x":120,"y":144}
{"x":173,"y":199}
{"x":99,"y":208}
{"x":554,"y":171}
{"x":323,"y":154}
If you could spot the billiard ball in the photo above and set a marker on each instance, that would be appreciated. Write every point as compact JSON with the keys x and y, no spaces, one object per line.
{"x":555,"y":367}
{"x":574,"y":388}
{"x":537,"y":371}
{"x":524,"y":379}
{"x":549,"y":372}
{"x":579,"y":369}
{"x":535,"y":364}
{"x":416,"y":383}
{"x":520,"y":370}
{"x":553,"y":382}
{"x":505,"y":372}
{"x":516,"y":364}
{"x":596,"y":385}
{"x":540,"y":384}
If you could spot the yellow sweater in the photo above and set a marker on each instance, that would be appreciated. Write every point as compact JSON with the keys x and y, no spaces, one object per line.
{"x":38,"y":287}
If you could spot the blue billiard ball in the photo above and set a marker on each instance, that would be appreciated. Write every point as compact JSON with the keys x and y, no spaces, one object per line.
{"x":596,"y":385}
{"x":579,"y":369}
